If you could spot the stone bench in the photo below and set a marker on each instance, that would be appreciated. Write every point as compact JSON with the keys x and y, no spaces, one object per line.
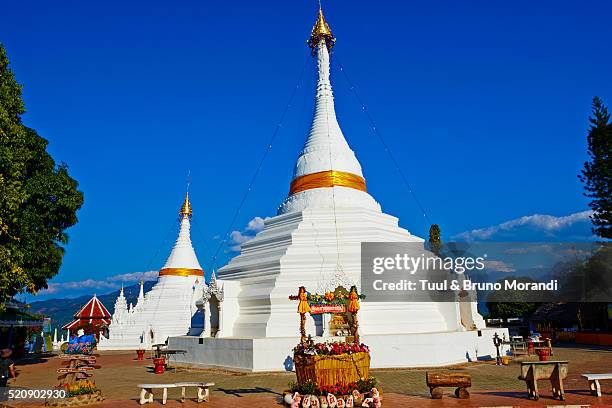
{"x":460,"y":381}
{"x":555,"y":371}
{"x":203,"y":389}
{"x":593,"y":380}
{"x":146,"y":392}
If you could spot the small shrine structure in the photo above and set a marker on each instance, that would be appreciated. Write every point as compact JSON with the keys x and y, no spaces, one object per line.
{"x":93,"y":318}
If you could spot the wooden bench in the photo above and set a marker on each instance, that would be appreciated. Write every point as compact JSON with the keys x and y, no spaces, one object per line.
{"x":436,"y":380}
{"x":146,"y":392}
{"x":593,"y":380}
{"x":555,"y":371}
{"x":203,"y":389}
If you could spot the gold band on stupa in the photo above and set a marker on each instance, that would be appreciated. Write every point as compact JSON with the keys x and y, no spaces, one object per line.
{"x":329,"y":178}
{"x":181,"y":272}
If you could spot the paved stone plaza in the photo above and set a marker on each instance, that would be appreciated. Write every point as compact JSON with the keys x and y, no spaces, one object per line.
{"x":492,"y":385}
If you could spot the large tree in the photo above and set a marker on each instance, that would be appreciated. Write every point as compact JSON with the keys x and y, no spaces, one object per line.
{"x":38,"y":198}
{"x":504,"y":304}
{"x":597,"y":172}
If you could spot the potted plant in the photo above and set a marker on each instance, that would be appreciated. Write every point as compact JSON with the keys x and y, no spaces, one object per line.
{"x":543,"y":353}
{"x":160,"y":363}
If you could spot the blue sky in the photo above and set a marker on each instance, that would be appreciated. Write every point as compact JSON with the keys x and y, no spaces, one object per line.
{"x":484,"y":104}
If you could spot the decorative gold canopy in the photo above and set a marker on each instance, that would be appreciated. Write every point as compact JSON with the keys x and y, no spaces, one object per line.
{"x":320,"y":31}
{"x":186,"y":210}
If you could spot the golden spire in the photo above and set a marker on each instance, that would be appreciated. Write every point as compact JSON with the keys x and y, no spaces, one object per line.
{"x":321,"y":30}
{"x":186,"y":210}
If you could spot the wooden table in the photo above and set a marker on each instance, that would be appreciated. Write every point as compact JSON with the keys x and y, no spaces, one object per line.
{"x":168,"y":353}
{"x":517,"y":344}
{"x":555,"y":371}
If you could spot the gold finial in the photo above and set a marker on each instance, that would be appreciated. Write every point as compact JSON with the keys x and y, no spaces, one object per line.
{"x":320,"y":31}
{"x":186,"y":210}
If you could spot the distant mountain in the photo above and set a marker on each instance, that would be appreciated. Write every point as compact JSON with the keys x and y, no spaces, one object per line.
{"x":61,"y":311}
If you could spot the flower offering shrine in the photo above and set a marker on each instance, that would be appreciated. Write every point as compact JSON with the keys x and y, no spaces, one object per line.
{"x":332,"y":367}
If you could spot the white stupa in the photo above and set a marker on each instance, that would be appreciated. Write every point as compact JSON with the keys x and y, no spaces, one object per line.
{"x":169,"y":307}
{"x":315,"y":241}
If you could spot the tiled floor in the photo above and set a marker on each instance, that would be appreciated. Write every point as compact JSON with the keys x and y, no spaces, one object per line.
{"x":492,"y":385}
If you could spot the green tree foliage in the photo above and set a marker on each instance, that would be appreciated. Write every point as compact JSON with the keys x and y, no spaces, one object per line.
{"x":588,"y":276}
{"x":435,"y":240}
{"x":505,"y":304}
{"x":38,"y":199}
{"x":597,"y":172}
{"x":511,"y":309}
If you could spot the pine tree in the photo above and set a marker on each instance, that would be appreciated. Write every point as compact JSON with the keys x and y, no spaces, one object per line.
{"x":38,"y":199}
{"x":597,"y":172}
{"x":435,"y":241}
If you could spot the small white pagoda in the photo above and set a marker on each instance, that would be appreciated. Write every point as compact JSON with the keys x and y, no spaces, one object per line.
{"x":315,"y":241}
{"x":169,"y":307}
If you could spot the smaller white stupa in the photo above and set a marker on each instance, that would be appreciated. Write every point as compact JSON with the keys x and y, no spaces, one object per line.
{"x":169,"y":307}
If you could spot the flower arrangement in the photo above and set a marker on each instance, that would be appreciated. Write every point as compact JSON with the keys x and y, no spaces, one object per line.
{"x":80,"y":387}
{"x":329,"y":348}
{"x":329,"y":298}
{"x":366,"y":384}
{"x":363,"y":386}
{"x":337,"y":389}
{"x":307,"y":388}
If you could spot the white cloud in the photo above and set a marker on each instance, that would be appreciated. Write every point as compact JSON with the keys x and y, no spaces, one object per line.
{"x":256,"y":224}
{"x":59,"y":287}
{"x":134,"y":276}
{"x":89,"y":285}
{"x":237,"y":238}
{"x":546,"y":224}
{"x":499,"y":266}
{"x":529,"y":249}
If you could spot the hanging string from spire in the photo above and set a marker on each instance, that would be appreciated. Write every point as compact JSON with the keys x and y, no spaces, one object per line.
{"x":208,"y":251}
{"x":382,"y":140}
{"x":162,"y":245}
{"x":261,"y":161}
{"x":194,"y":221}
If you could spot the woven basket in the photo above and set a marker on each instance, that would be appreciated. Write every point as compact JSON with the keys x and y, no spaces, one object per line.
{"x":331,"y":370}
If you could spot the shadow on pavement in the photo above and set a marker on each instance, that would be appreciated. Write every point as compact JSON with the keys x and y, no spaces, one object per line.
{"x":238,"y":391}
{"x":583,"y":347}
{"x":34,"y":359}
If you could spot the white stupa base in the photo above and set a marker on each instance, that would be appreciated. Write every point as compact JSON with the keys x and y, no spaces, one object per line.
{"x":387,"y":351}
{"x":125,"y":345}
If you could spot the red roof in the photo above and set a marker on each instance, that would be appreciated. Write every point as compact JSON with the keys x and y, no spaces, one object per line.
{"x":93,"y":312}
